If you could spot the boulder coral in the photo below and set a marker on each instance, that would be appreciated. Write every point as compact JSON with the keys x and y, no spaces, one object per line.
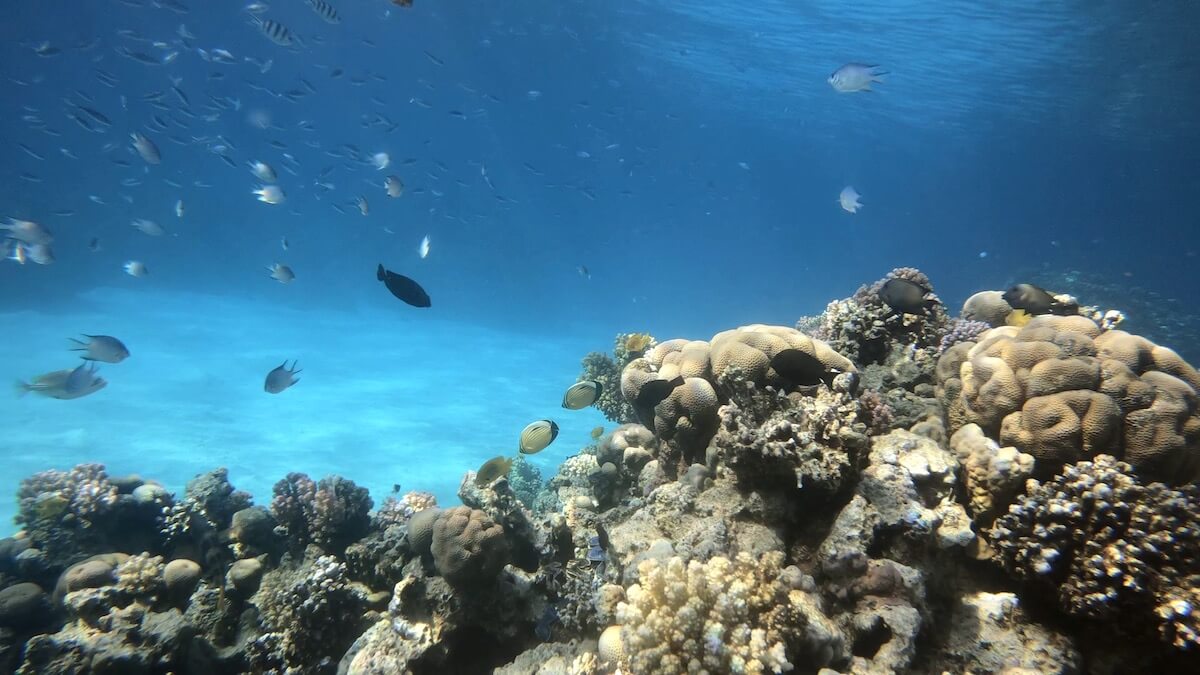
{"x":468,"y":547}
{"x":1062,"y":390}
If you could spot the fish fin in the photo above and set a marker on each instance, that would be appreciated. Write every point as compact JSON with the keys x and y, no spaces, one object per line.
{"x":22,"y":388}
{"x":379,"y":273}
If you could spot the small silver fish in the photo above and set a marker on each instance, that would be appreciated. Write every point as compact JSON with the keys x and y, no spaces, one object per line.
{"x":146,"y":148}
{"x":263,"y":171}
{"x":270,"y":194}
{"x":27,"y":231}
{"x":104,"y":348}
{"x":281,"y":273}
{"x":849,"y":200}
{"x":281,"y":377}
{"x":135,"y":268}
{"x":394,"y":186}
{"x":149,"y":227}
{"x":854,"y":77}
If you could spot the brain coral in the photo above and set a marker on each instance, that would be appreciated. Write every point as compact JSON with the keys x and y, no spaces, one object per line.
{"x":722,"y":616}
{"x":1062,"y":390}
{"x":751,"y":349}
{"x":1110,"y":546}
{"x":468,"y":546}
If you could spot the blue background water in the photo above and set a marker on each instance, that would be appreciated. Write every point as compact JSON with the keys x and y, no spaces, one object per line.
{"x":689,"y":154}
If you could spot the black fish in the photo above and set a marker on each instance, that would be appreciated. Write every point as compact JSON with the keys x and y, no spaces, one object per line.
{"x":799,"y":367}
{"x":905,"y":296}
{"x":404,"y":288}
{"x":651,"y":394}
{"x":1035,"y":300}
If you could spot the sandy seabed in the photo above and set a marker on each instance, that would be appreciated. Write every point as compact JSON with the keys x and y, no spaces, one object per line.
{"x":385,"y":397}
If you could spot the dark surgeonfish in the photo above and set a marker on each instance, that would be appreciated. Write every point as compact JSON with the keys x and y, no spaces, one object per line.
{"x":651,"y":394}
{"x":1035,"y":300}
{"x":402,"y":287}
{"x":582,"y":394}
{"x":538,"y":436}
{"x":281,"y":377}
{"x":101,"y":348}
{"x":800,"y":368}
{"x":905,"y":296}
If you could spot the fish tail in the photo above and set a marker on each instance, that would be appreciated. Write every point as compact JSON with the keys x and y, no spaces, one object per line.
{"x":22,"y":388}
{"x":379,"y":273}
{"x":82,"y":345}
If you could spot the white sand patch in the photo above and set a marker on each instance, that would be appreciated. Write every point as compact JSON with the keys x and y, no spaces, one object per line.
{"x":399,"y":397}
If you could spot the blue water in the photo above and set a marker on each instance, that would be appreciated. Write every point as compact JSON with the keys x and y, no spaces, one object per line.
{"x":688,"y":154}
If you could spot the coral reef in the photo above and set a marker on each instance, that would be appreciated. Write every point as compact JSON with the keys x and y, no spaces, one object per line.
{"x":607,"y":371}
{"x":332,"y":513}
{"x":858,"y":499}
{"x":865,"y":330}
{"x":719,"y":616}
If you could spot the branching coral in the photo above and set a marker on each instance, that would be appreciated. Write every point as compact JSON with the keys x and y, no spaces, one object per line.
{"x":218,"y":498}
{"x":961,"y":330}
{"x":314,"y":613}
{"x":332,"y":513}
{"x":1109,"y":546}
{"x":64,"y":511}
{"x":720,"y":616}
{"x":865,"y":330}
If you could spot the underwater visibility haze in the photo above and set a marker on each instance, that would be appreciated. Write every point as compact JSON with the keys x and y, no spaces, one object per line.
{"x":383,"y":336}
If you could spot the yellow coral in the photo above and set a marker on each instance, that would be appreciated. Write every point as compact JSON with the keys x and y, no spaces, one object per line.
{"x":636,"y":343}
